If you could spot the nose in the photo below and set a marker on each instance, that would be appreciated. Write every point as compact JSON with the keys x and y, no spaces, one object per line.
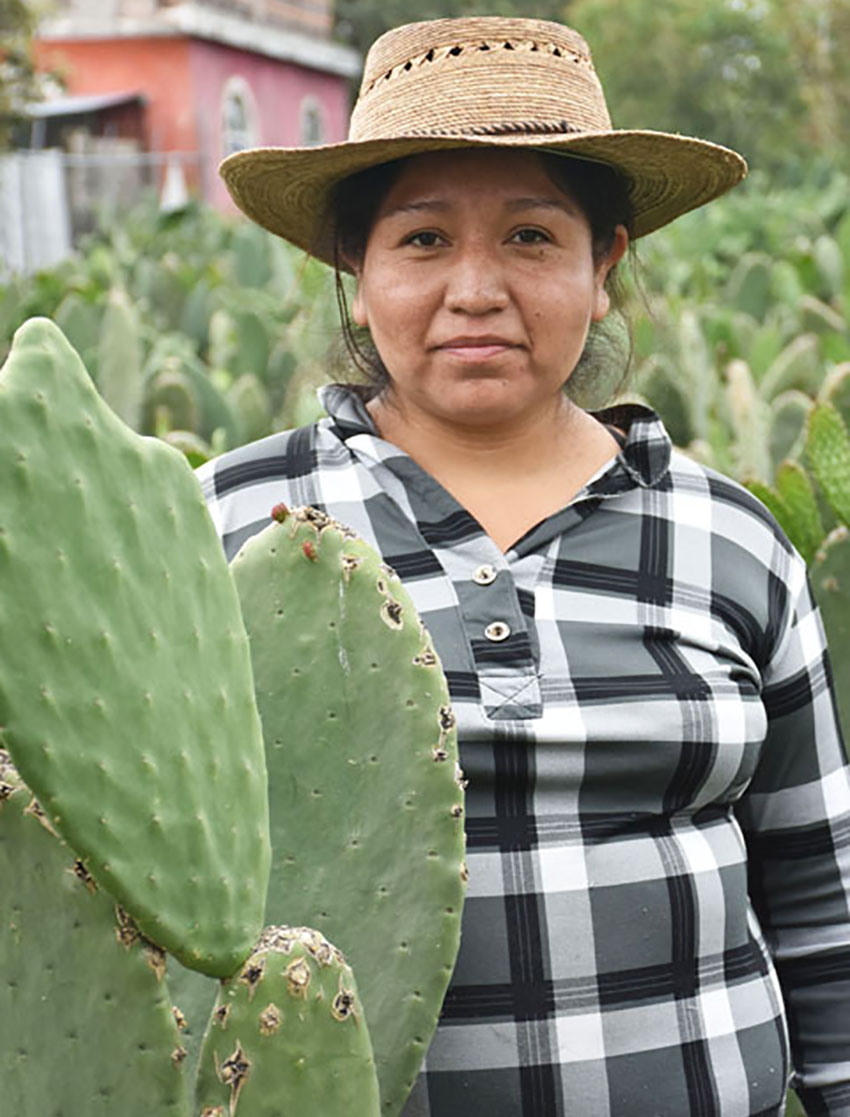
{"x":475,"y":283}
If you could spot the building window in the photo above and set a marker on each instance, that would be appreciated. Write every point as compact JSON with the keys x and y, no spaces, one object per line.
{"x":239,"y":127}
{"x":312,"y":122}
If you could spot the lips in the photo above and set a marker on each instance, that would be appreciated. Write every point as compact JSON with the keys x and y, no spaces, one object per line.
{"x":475,"y":348}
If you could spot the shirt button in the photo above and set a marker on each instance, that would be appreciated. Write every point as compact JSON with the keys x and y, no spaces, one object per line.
{"x":497,"y":631}
{"x":485,"y":574}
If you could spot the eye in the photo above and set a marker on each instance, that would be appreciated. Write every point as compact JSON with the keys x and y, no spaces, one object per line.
{"x":425,"y":238}
{"x":531,"y":236}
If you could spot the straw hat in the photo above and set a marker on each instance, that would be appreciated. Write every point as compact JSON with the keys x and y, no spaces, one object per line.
{"x":486,"y":81}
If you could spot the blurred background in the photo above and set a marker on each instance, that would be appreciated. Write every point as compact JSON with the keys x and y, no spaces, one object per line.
{"x":203,"y":330}
{"x":197,"y":326}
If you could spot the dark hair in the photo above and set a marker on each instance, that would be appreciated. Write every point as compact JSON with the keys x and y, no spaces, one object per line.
{"x":600,"y":190}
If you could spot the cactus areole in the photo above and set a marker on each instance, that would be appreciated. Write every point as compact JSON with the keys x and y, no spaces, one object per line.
{"x":288,"y":1035}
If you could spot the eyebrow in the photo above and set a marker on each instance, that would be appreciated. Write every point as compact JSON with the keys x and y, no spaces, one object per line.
{"x":514,"y":205}
{"x":427,"y":205}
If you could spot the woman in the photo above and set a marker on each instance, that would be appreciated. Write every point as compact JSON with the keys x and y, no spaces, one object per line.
{"x":643,"y":699}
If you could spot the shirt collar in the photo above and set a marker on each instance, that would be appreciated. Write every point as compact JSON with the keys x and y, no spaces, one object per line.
{"x":645,"y":457}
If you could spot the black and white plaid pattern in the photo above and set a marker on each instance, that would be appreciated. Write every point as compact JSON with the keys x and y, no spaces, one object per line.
{"x":658,"y":809}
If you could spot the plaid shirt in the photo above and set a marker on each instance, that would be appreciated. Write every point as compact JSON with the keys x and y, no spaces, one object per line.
{"x":658,"y":810}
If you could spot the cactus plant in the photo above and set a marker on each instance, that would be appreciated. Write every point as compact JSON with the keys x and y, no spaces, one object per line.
{"x":250,"y":403}
{"x":119,"y":374}
{"x":828,"y":450}
{"x":173,"y":356}
{"x":804,"y":524}
{"x":836,"y":390}
{"x":750,"y":421}
{"x":86,"y":1022}
{"x":288,"y":1035}
{"x":79,"y":320}
{"x":125,"y":675}
{"x":132,"y":619}
{"x":789,"y":413}
{"x":830,"y":574}
{"x":749,"y":286}
{"x":362,"y":757}
{"x":169,"y":403}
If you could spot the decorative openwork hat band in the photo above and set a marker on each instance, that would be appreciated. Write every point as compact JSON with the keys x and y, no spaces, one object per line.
{"x":483,"y":88}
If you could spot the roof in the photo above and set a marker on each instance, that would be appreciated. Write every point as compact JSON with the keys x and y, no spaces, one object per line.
{"x":195,"y":20}
{"x":77,"y":106}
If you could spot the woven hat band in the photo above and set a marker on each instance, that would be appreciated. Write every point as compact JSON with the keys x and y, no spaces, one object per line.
{"x":484,"y":87}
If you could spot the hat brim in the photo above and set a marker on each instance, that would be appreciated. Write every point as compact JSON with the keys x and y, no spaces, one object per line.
{"x":286,"y":190}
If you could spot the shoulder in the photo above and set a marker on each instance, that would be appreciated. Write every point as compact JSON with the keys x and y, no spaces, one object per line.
{"x":724,"y":549}
{"x":729,"y":508}
{"x":689,"y":494}
{"x":757,"y":579}
{"x":267,"y":458}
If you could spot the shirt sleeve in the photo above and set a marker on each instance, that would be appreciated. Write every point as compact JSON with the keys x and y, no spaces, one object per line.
{"x":796,"y":820}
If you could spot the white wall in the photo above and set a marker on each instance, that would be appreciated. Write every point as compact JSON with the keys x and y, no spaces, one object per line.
{"x":35,"y":227}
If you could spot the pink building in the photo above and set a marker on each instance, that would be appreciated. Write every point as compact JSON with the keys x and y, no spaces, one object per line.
{"x":197,"y":79}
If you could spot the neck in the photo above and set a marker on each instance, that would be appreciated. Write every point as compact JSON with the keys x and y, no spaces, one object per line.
{"x":509,"y":478}
{"x":521,"y":444}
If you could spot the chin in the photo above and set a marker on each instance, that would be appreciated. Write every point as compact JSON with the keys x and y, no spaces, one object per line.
{"x":485,"y":401}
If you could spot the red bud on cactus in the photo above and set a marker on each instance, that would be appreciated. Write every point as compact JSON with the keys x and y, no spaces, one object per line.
{"x":309,"y":551}
{"x":279,"y":512}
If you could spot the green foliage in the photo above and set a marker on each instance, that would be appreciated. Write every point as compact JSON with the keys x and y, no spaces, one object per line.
{"x":805,"y":526}
{"x":360,"y":22}
{"x":119,"y":370}
{"x":193,"y":296}
{"x":828,"y":448}
{"x":769,"y":78}
{"x":746,"y":322}
{"x":18,"y":83}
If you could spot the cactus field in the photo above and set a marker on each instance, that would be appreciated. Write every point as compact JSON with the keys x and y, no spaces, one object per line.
{"x":134,"y":840}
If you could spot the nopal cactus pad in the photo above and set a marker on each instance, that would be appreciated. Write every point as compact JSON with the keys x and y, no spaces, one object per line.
{"x":86,"y":1022}
{"x":366,"y":802}
{"x":126,"y":693}
{"x":288,"y":1035}
{"x":830,"y":574}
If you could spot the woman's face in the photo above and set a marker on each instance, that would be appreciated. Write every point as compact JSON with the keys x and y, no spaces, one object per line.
{"x":478,"y":285}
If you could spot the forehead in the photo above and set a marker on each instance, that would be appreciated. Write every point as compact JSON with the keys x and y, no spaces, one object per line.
{"x":471,"y":175}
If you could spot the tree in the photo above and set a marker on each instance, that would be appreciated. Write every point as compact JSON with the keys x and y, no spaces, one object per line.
{"x":723,"y":70}
{"x":770,"y":78}
{"x":820,"y":30}
{"x":18,"y":82}
{"x":360,"y":22}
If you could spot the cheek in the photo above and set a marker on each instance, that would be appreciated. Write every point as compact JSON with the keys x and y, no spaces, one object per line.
{"x":397,"y":310}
